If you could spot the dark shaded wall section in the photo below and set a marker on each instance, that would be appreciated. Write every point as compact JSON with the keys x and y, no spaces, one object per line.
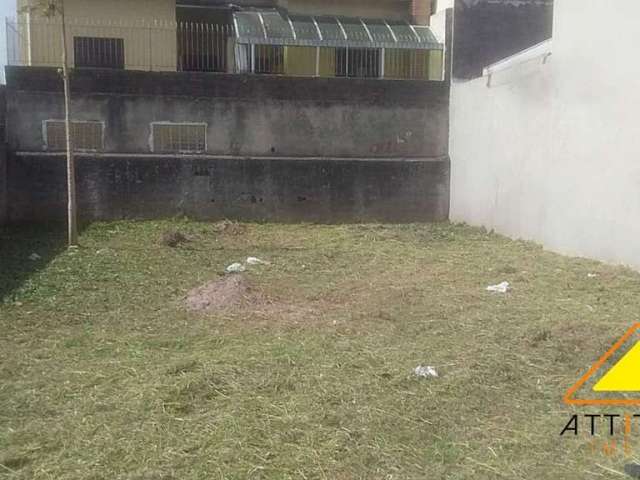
{"x":245,"y":115}
{"x":3,"y":157}
{"x":487,"y":31}
{"x":4,"y":206}
{"x":3,"y":112}
{"x":208,"y":188}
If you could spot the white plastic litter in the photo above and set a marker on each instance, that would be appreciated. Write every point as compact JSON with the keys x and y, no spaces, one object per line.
{"x":425,"y":372}
{"x":592,"y":275}
{"x":235,"y":268}
{"x":503,"y":287}
{"x":34,"y":257}
{"x":256,"y":261}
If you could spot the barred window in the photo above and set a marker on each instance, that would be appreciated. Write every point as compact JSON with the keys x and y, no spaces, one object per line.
{"x":99,"y":52}
{"x":358,"y":62}
{"x":269,"y":59}
{"x":178,"y":137}
{"x":85,"y":135}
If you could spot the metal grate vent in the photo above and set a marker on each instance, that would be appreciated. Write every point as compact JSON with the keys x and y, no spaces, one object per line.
{"x":84,"y":135}
{"x":178,"y":137}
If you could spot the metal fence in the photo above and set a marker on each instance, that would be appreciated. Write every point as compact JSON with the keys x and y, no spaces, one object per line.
{"x":189,"y":46}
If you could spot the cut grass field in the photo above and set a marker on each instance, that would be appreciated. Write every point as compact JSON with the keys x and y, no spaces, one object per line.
{"x":105,"y":375}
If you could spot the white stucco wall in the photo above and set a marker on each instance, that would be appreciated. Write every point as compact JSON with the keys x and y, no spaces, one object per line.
{"x":551,"y":152}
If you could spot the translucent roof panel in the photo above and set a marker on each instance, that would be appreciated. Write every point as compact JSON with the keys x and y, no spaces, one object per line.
{"x":330,"y":29}
{"x":305,"y":28}
{"x":426,"y":35}
{"x":276,"y":26}
{"x":403,"y":32}
{"x":272,"y":27}
{"x":355,"y":30}
{"x":380,"y":31}
{"x":249,"y":24}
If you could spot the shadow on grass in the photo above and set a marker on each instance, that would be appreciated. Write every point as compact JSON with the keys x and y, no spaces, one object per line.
{"x":17,"y":245}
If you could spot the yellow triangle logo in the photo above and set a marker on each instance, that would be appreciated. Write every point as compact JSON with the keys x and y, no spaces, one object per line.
{"x":623,"y":377}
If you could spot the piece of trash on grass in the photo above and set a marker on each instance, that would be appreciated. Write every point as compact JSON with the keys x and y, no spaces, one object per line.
{"x":592,"y":275}
{"x":257,"y":261}
{"x":34,"y":257}
{"x":425,"y":372}
{"x":235,"y":268}
{"x":503,"y":287}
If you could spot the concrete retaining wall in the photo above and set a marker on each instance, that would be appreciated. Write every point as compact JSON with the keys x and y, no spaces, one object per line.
{"x":3,"y":157}
{"x":278,"y":148}
{"x":3,"y":112}
{"x":209,"y":188}
{"x":3,"y":184}
{"x":246,"y":115}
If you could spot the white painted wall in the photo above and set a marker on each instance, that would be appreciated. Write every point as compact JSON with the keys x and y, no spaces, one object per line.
{"x":438,"y":20}
{"x":551,"y":152}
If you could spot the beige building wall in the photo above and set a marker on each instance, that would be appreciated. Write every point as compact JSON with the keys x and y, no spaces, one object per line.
{"x":387,"y":9}
{"x":147,"y":27}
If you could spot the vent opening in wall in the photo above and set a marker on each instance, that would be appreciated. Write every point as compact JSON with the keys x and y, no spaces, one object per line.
{"x":178,"y":137}
{"x":85,"y":135}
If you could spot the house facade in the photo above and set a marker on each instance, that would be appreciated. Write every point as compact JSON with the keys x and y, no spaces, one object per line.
{"x":379,"y":39}
{"x":264,"y":110}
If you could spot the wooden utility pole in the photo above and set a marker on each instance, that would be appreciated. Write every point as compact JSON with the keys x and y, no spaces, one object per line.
{"x":72,"y":214}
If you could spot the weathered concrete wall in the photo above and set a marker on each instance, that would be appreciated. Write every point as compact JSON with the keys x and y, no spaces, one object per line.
{"x":3,"y":157}
{"x":549,"y":152}
{"x":246,"y":115}
{"x":209,"y":188}
{"x":3,"y":113}
{"x":489,"y":30}
{"x":3,"y":184}
{"x":278,"y":148}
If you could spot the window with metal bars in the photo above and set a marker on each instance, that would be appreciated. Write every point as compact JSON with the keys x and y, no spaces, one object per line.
{"x":269,"y":59}
{"x":87,"y":136}
{"x":92,"y":52}
{"x":203,"y":47}
{"x":169,"y":137}
{"x":358,"y":62}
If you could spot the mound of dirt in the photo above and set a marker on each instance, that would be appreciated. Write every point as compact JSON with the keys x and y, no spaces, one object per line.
{"x":172,"y":238}
{"x":224,"y":293}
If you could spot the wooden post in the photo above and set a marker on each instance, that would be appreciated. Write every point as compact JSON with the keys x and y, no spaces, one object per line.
{"x":72,"y":220}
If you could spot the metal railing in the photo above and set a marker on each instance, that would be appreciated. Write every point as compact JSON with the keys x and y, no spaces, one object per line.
{"x":204,"y":47}
{"x":189,"y":46}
